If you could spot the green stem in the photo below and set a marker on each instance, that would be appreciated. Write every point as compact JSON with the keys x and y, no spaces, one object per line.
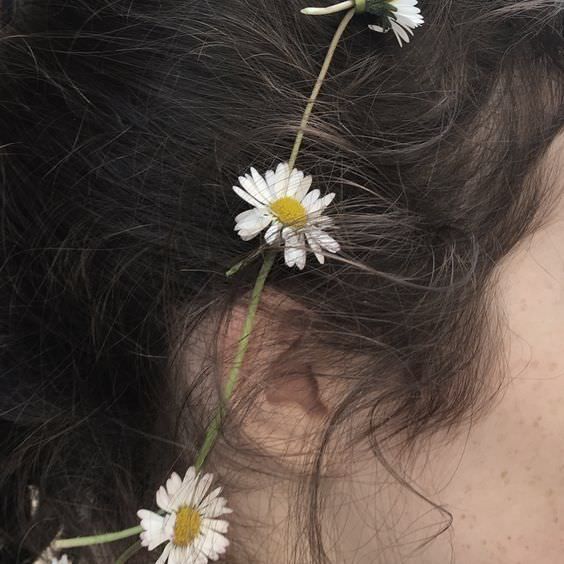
{"x":213,"y":429}
{"x":319,"y":83}
{"x":215,"y":425}
{"x":128,"y":553}
{"x":61,"y":544}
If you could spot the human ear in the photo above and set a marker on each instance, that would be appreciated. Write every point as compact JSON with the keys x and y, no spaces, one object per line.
{"x":281,"y":391}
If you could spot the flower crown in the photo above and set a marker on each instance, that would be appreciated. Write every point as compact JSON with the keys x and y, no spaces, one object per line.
{"x":293,"y":217}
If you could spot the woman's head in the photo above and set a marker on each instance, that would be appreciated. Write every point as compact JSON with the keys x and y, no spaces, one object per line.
{"x":124,"y":127}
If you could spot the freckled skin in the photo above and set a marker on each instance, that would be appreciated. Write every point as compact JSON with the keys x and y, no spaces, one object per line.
{"x":504,"y":481}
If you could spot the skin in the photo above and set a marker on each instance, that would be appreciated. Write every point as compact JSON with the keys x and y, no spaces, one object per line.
{"x":500,"y":477}
{"x":503,"y":476}
{"x":506,"y":492}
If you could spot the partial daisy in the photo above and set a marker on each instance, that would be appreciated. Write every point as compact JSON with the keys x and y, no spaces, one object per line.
{"x":63,"y":560}
{"x":291,"y":214}
{"x":190,"y":523}
{"x":401,"y":16}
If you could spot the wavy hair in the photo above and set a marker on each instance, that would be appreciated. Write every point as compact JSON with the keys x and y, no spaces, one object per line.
{"x":123,"y":126}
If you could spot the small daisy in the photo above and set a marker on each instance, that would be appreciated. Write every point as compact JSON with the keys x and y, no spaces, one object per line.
{"x":63,"y":560}
{"x":190,"y":524}
{"x":401,"y":16}
{"x":290,"y":213}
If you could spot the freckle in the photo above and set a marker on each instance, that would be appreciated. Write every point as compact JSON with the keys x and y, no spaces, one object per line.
{"x":535,"y":364}
{"x":509,"y":537}
{"x":467,"y":489}
{"x":549,"y":492}
{"x":503,"y":475}
{"x":484,"y":541}
{"x":524,"y":306}
{"x":463,"y":516}
{"x":528,"y":468}
{"x":536,"y":423}
{"x":555,"y":520}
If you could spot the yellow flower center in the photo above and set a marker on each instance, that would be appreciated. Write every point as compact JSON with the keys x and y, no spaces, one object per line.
{"x":186,"y":526}
{"x":289,"y":211}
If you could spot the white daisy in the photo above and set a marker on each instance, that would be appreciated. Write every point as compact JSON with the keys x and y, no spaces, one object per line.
{"x":401,"y":16}
{"x":290,"y":213}
{"x":190,"y":524}
{"x":63,"y":560}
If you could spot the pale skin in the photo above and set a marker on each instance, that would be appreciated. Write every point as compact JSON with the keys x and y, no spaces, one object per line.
{"x":501,"y":477}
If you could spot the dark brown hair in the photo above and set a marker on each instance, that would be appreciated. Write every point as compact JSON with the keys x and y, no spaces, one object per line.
{"x":124,"y":126}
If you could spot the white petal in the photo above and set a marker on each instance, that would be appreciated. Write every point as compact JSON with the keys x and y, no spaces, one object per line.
{"x":399,"y":32}
{"x":310,"y":199}
{"x":282,"y":176}
{"x":251,"y":218}
{"x":251,"y":223}
{"x":316,"y":248}
{"x":270,"y":178}
{"x":163,"y":557}
{"x":216,"y":525}
{"x":409,"y":22}
{"x":317,"y":207}
{"x":272,"y":233}
{"x":247,"y":197}
{"x":262,"y":186}
{"x":178,"y":555}
{"x":179,"y":495}
{"x":294,"y":249}
{"x":257,"y":192}
{"x":154,"y":532}
{"x":212,"y":545}
{"x":213,"y":505}
{"x":305,"y":185}
{"x":296,"y":179}
{"x":173,"y":484}
{"x":163,"y":501}
{"x":324,"y":240}
{"x":201,"y":489}
{"x":211,"y":542}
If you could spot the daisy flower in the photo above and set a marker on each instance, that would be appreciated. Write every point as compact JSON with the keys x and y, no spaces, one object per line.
{"x":189,"y":524}
{"x":291,"y":214}
{"x":401,"y":16}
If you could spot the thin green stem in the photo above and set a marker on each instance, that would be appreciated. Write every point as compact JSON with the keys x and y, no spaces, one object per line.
{"x":213,"y":428}
{"x":61,"y":544}
{"x":128,"y":553}
{"x":318,"y":84}
{"x":233,"y":375}
{"x":340,"y":7}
